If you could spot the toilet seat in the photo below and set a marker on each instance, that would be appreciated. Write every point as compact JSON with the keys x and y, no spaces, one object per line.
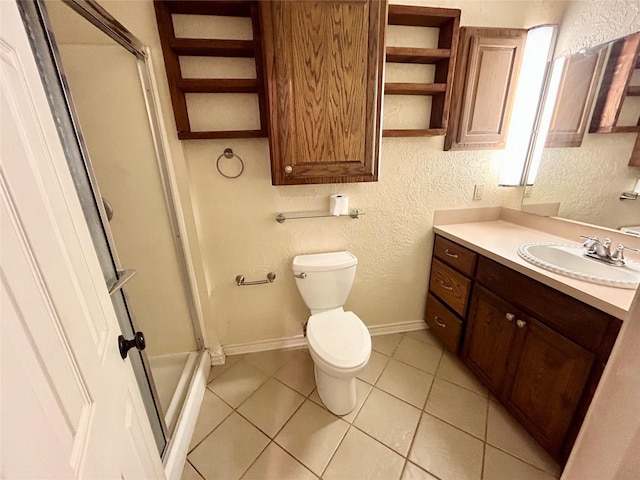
{"x":339,"y":338}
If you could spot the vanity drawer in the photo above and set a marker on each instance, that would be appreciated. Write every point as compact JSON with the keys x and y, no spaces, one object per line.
{"x":460,"y":258}
{"x":444,"y":324}
{"x":450,"y":286}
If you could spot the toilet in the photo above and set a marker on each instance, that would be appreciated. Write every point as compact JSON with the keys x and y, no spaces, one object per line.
{"x":339,"y":343}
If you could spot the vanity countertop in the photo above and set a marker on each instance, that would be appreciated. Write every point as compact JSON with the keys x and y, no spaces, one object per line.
{"x":499,"y":240}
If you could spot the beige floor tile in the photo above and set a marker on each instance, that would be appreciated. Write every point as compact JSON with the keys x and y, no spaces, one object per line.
{"x":499,"y":465}
{"x":276,"y":464}
{"x":453,"y":370}
{"x":297,"y":372}
{"x":237,"y":383}
{"x":458,"y":406}
{"x":389,"y":420}
{"x":269,"y":407}
{"x":445,"y":451}
{"x":190,"y":473}
{"x":386,"y":344}
{"x":374,"y":368}
{"x":418,"y":354}
{"x":361,"y":457}
{"x":212,"y":412}
{"x":362,"y":391}
{"x":405,"y":382}
{"x":504,"y":432}
{"x":217,"y":370}
{"x":230,"y":450}
{"x":425,"y":336}
{"x":413,"y":472}
{"x":312,"y":436}
{"x":270,"y":361}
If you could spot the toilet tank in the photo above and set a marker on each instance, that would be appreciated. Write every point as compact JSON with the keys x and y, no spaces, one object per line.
{"x":327,"y":280}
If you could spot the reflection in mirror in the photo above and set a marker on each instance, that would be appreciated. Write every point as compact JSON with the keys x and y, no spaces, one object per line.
{"x":578,"y":175}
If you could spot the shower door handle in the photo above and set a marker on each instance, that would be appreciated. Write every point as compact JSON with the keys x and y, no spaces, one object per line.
{"x":137,"y":341}
{"x":123,"y":277}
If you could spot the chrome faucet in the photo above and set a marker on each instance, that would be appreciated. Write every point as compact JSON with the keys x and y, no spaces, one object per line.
{"x":602,"y":251}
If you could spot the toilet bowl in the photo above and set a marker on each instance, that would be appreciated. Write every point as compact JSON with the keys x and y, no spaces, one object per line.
{"x":340,"y":346}
{"x":339,"y":342}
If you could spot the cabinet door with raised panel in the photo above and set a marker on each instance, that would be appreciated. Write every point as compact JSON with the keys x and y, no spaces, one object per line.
{"x":489,"y":334}
{"x":547,"y":375}
{"x":487,"y":68}
{"x":324,"y":62}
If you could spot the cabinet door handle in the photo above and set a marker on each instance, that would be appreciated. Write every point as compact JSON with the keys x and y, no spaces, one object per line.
{"x":438,"y":322}
{"x":521,"y":323}
{"x":510,"y":316}
{"x":452,"y":255}
{"x":445,"y":286}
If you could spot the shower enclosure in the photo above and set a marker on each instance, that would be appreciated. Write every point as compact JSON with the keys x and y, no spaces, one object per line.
{"x":109,"y":126}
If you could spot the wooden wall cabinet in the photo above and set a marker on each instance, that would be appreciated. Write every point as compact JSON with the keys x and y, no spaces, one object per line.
{"x":579,"y":80}
{"x":323,"y":65}
{"x":487,"y":68}
{"x":540,"y":352}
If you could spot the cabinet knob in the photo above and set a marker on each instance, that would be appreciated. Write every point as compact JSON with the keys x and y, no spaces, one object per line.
{"x":521,"y":323}
{"x":451,"y":254}
{"x":510,"y":316}
{"x":288,"y":169}
{"x":449,"y":288}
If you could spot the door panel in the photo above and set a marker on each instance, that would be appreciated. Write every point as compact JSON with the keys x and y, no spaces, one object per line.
{"x":66,"y":388}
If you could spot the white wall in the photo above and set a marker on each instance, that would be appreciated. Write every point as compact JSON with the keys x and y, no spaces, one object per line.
{"x":393,"y":241}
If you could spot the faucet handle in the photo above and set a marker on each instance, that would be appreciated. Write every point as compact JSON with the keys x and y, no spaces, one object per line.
{"x":619,"y":255}
{"x":590,"y":241}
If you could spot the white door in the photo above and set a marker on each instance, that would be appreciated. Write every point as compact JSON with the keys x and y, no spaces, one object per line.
{"x":70,"y":406}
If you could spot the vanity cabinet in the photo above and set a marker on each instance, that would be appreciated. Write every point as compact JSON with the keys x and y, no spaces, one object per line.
{"x":323,"y":65}
{"x":449,"y":291}
{"x":487,"y":68}
{"x":539,"y":351}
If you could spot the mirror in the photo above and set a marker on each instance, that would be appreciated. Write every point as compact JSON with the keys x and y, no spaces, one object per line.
{"x":582,"y":173}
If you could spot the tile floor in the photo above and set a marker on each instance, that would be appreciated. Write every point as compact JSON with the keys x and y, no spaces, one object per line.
{"x":421,"y":415}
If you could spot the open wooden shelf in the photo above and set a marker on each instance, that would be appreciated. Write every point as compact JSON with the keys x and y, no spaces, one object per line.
{"x":447,"y":20}
{"x":428,"y":132}
{"x":414,"y":88}
{"x":622,"y":61}
{"x":173,"y":48}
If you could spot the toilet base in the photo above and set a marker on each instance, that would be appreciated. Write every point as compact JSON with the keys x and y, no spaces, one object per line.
{"x":337,"y":394}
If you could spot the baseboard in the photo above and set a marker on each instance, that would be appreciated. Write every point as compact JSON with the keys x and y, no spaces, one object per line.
{"x":301,"y":341}
{"x":217,"y":355}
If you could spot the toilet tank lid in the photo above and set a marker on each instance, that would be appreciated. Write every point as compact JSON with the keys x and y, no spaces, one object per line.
{"x":324,"y":261}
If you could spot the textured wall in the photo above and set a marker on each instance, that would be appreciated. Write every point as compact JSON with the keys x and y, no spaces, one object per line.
{"x":393,"y":241}
{"x":588,"y":180}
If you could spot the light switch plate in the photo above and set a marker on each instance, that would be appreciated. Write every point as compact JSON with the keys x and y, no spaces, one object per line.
{"x":477,"y":192}
{"x":527,"y":191}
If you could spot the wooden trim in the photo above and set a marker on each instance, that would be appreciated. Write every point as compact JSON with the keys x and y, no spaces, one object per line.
{"x":237,"y":8}
{"x":421,"y":16}
{"x":428,"y":132}
{"x":217,"y":85}
{"x":416,"y":55}
{"x":221,"y":134}
{"x":259,"y":62}
{"x":212,"y":48}
{"x":414,"y":88}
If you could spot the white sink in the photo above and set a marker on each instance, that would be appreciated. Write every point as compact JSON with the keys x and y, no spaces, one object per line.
{"x":569,"y":260}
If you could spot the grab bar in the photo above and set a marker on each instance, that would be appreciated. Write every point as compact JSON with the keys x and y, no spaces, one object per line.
{"x":242,"y":283}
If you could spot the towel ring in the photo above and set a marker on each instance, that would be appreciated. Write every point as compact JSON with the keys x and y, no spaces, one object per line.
{"x":228,"y":153}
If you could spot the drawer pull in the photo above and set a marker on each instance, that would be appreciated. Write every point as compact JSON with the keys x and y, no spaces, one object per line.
{"x":452,"y":255}
{"x":438,"y":322}
{"x":521,"y":323}
{"x":445,"y":286}
{"x":510,"y":316}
